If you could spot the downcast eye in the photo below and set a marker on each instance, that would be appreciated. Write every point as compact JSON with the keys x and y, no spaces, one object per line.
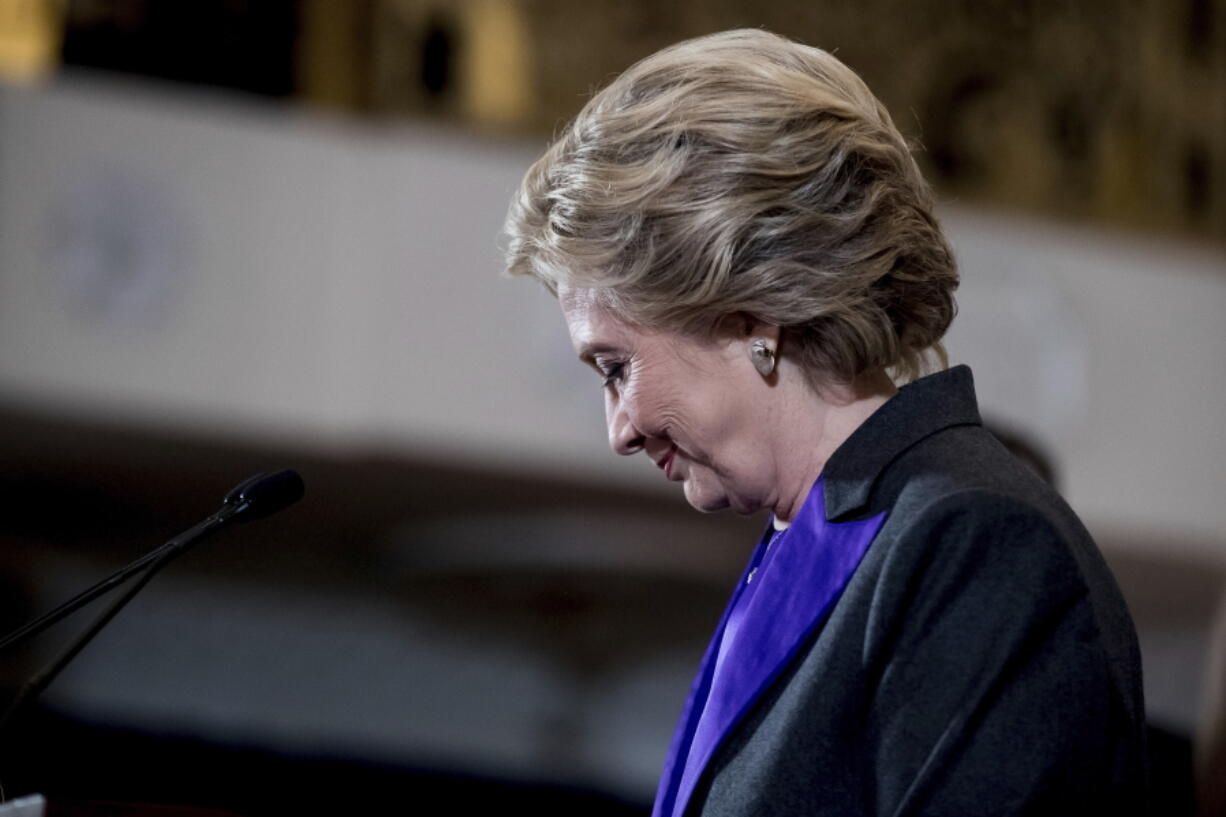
{"x":612,"y":373}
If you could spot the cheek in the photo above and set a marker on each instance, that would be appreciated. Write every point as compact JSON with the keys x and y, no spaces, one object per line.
{"x":669,"y":397}
{"x":717,"y":422}
{"x":651,"y":404}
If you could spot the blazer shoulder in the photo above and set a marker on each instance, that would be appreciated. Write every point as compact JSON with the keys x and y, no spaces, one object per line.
{"x":978,"y":538}
{"x":1011,"y":546}
{"x":966,"y":470}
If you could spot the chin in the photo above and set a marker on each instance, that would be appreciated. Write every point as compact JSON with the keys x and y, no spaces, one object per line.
{"x":710,"y":503}
{"x":705,"y":501}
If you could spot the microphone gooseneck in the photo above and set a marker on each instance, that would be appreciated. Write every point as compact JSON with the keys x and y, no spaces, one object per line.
{"x":256,"y":497}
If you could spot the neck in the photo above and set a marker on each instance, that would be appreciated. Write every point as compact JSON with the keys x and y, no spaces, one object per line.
{"x":814,"y":427}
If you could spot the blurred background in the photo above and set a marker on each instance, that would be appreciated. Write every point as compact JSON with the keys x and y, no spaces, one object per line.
{"x":240,"y":235}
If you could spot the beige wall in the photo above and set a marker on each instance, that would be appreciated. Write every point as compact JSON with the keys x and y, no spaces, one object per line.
{"x":338,"y":285}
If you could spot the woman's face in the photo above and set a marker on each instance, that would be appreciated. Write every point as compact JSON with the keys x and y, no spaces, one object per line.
{"x":698,"y":409}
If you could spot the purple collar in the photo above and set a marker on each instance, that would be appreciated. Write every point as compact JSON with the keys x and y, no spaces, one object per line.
{"x":797,"y":581}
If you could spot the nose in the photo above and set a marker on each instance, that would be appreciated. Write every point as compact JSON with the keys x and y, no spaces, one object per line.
{"x":624,"y":436}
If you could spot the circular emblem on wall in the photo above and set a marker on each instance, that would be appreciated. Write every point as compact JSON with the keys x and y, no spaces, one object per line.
{"x":117,"y":246}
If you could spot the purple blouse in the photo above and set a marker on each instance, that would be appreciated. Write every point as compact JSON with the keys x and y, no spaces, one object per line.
{"x":792,"y":582}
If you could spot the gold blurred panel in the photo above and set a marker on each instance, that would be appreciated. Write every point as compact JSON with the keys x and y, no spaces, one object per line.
{"x":1085,"y":110}
{"x":334,"y":53}
{"x":496,"y":70}
{"x":30,"y":32}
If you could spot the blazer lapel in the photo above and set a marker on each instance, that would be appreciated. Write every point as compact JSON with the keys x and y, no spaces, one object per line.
{"x":691,"y":713}
{"x":799,"y":581}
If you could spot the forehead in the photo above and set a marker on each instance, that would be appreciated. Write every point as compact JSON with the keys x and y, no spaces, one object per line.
{"x":575,"y":302}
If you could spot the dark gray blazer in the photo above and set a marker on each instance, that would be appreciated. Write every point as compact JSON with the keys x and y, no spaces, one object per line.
{"x":981,"y":661}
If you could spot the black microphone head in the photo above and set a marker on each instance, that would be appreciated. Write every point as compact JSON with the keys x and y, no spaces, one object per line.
{"x":262,"y":495}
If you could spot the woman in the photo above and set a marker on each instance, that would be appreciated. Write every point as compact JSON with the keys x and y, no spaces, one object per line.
{"x":745,"y":252}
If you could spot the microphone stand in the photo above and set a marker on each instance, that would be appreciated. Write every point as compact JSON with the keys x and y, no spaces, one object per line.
{"x":40,"y":681}
{"x":33,"y":628}
{"x":255,"y":497}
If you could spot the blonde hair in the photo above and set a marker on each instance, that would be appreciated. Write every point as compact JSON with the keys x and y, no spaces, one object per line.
{"x":743,"y":173}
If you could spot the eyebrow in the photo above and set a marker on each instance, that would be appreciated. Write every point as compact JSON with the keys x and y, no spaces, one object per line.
{"x":588,"y":352}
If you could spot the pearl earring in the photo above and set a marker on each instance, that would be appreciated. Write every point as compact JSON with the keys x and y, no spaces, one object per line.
{"x":763,"y":356}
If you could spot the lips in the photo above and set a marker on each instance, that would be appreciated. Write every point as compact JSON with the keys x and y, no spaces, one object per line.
{"x":665,"y":463}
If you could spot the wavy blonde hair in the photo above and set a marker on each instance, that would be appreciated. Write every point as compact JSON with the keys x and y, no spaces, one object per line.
{"x":743,"y":173}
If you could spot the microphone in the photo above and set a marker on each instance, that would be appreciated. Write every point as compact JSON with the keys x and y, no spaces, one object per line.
{"x":254,"y":498}
{"x":263,"y":495}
